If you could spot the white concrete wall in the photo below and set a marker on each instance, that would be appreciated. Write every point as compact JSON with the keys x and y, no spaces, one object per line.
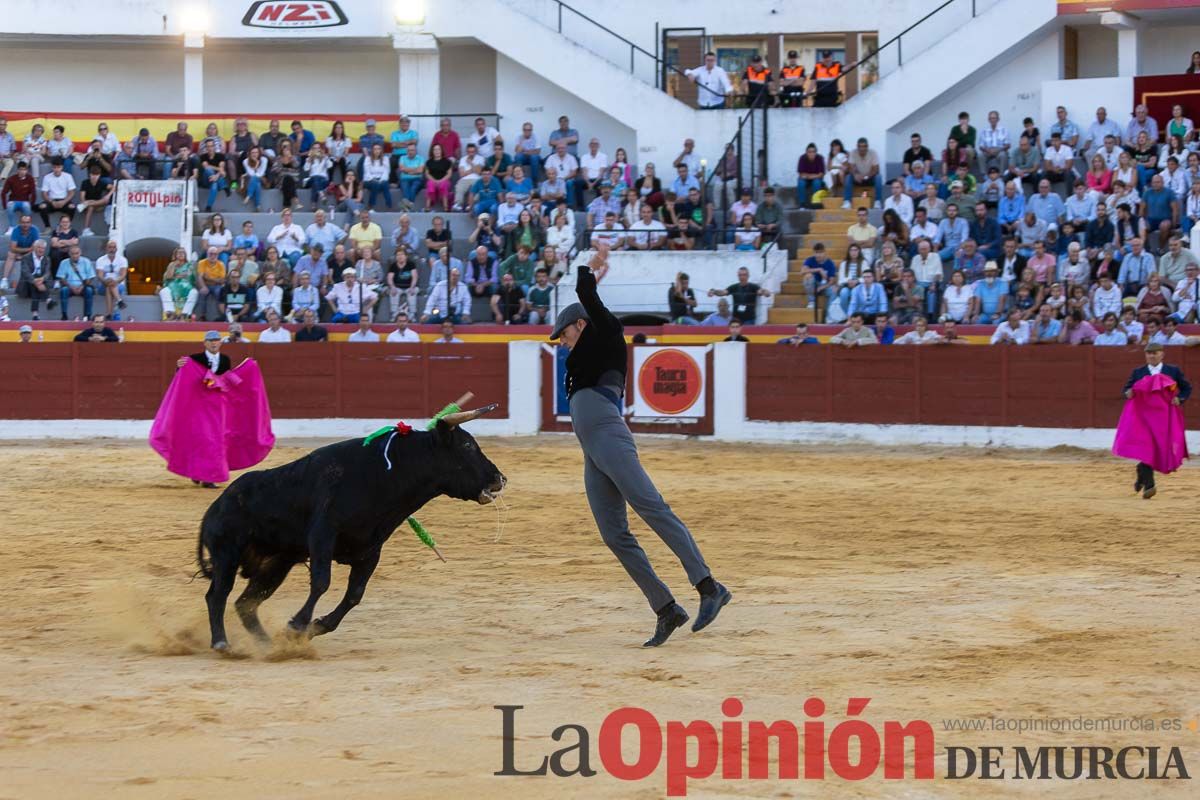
{"x":526,"y":96}
{"x":468,"y":79}
{"x":1097,"y":52}
{"x":1166,"y":49}
{"x":320,"y":78}
{"x":1011,"y":86}
{"x":635,"y":19}
{"x":84,"y":77}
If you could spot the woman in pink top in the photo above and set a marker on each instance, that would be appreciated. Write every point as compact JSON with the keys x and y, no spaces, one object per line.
{"x":1099,"y":177}
{"x":1043,"y":264}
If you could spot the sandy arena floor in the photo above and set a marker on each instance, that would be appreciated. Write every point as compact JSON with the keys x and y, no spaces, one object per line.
{"x":941,"y":584}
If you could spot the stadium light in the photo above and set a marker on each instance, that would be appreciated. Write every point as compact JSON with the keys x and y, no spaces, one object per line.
{"x":410,"y":12}
{"x":194,"y":17}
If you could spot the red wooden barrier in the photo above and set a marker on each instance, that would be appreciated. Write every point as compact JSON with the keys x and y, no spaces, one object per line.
{"x":1045,"y":386}
{"x":339,"y":379}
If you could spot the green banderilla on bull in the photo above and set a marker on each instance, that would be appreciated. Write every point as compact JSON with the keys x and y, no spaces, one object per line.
{"x":413,"y":522}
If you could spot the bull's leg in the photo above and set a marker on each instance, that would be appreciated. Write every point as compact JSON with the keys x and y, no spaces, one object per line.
{"x":320,"y":554}
{"x":360,"y":573}
{"x":224,"y":570}
{"x":261,"y":586}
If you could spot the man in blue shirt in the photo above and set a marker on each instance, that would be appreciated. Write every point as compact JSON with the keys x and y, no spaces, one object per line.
{"x":986,"y":232}
{"x":800,"y":337}
{"x":819,"y":276}
{"x":991,"y":295}
{"x":1011,"y":208}
{"x":302,"y":139}
{"x":76,"y":275}
{"x":324,"y":233}
{"x":566,"y":135}
{"x":1046,"y":205}
{"x":1135,"y":268}
{"x":683,"y":181}
{"x":20,"y":243}
{"x":868,"y":298}
{"x":485,"y":195}
{"x":1159,"y":208}
{"x":952,"y":232}
{"x":1045,"y":328}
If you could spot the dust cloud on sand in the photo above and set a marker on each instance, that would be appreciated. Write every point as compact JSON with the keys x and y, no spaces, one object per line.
{"x":939,"y":583}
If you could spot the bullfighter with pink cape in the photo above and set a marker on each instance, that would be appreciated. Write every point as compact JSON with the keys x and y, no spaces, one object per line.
{"x":1151,"y":429}
{"x":213,"y":419}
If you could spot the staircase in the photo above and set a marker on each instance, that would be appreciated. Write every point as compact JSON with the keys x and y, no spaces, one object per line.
{"x":827,"y":225}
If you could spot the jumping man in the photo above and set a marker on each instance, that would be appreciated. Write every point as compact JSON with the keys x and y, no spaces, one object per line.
{"x":612,"y":473}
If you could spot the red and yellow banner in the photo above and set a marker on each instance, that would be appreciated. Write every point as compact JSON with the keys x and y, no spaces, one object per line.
{"x":81,"y":128}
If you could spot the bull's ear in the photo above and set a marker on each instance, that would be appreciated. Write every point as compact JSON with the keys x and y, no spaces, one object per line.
{"x":443,"y":432}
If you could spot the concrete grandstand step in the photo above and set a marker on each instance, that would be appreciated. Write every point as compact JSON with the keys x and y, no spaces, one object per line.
{"x":793,"y":286}
{"x":829,"y":228}
{"x":140,"y":308}
{"x":790,"y":316}
{"x":790,"y":301}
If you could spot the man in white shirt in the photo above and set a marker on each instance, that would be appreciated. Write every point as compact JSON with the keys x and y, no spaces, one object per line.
{"x":275,"y":332}
{"x":403,"y":334}
{"x":1110,"y":152}
{"x":1098,"y":132}
{"x":364,"y":332}
{"x":111,"y":269}
{"x":899,"y":202}
{"x":350,"y":299}
{"x":610,"y":233}
{"x":1106,"y":298}
{"x":448,"y":300}
{"x":712,"y":82}
{"x":922,"y":227}
{"x":508,"y":213}
{"x":288,"y":238}
{"x":647,"y":233}
{"x":593,"y":168}
{"x":470,"y":167}
{"x":920,"y":334}
{"x":567,"y":168}
{"x":1059,"y":161}
{"x":1013,"y":331}
{"x":994,"y":143}
{"x":1186,"y":293}
{"x":483,"y":136}
{"x":689,"y":157}
{"x":58,"y":190}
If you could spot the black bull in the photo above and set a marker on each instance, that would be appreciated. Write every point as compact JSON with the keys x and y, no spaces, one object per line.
{"x":339,"y":503}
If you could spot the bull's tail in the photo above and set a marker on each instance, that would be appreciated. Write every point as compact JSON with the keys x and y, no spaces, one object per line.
{"x":203,"y":563}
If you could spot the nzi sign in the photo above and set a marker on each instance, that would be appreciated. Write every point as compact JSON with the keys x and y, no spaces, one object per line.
{"x":292,"y":14}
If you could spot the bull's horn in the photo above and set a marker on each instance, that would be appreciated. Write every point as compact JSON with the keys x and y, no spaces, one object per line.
{"x":466,"y":398}
{"x":458,"y":418}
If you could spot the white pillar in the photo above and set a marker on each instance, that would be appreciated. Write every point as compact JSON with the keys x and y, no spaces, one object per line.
{"x":729,"y":389}
{"x":525,"y":387}
{"x":1128,"y":28}
{"x":193,"y":73}
{"x":418,"y":62}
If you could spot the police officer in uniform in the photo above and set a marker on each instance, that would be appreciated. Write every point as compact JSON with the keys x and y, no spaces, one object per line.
{"x":792,"y":78}
{"x":757,"y":78}
{"x":826,"y":74}
{"x":612,"y":473}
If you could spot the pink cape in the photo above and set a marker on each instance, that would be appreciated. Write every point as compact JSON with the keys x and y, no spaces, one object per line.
{"x":209,"y":424}
{"x":1151,"y":429}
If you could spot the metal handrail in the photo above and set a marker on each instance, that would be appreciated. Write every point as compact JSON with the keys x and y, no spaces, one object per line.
{"x":896,"y":39}
{"x":634,"y":49}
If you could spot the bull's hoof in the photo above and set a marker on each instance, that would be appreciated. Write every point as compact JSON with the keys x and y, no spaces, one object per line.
{"x":221,"y":646}
{"x":297,"y":630}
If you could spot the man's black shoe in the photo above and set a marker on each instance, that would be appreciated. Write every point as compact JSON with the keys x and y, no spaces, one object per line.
{"x":674,"y":617}
{"x":208,"y":485}
{"x":711,"y":605}
{"x":1151,"y":490}
{"x":1137,"y":487}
